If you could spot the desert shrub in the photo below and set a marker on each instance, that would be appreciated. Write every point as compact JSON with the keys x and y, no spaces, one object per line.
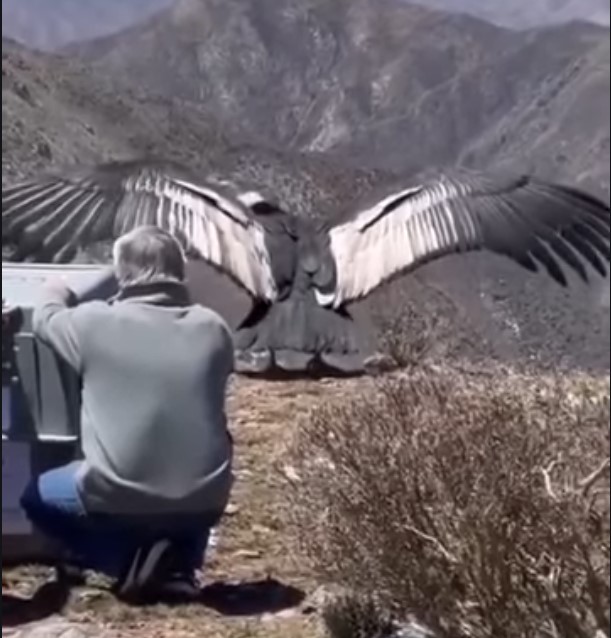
{"x":420,"y":324}
{"x":479,"y":504}
{"x":350,"y":616}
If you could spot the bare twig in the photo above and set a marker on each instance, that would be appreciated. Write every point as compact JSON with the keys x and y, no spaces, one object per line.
{"x":588,"y":483}
{"x":433,"y":541}
{"x":547,"y":477}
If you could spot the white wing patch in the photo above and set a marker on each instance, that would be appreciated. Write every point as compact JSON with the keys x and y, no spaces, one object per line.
{"x":368,"y":217}
{"x":58,"y":214}
{"x":251,"y":198}
{"x":385,"y":239}
{"x":226,"y":205}
{"x":215,"y":228}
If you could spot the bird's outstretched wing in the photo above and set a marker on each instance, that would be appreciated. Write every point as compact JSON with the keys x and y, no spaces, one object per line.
{"x":49,"y":218}
{"x":528,"y":220}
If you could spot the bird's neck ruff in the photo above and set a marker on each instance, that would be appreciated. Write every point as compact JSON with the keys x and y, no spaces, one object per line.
{"x":161,"y":293}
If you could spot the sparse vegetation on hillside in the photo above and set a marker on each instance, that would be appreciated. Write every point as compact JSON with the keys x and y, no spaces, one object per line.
{"x":421,"y":325}
{"x":479,"y":504}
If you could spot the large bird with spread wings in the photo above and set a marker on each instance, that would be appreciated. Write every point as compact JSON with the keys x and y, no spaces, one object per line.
{"x":303,"y":274}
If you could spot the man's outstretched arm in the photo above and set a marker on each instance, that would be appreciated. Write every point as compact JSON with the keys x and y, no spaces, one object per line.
{"x":54,"y":322}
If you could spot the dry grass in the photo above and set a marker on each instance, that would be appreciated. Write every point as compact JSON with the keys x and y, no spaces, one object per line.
{"x":479,"y":503}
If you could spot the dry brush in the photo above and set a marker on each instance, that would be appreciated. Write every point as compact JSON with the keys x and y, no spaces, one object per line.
{"x":478,"y":504}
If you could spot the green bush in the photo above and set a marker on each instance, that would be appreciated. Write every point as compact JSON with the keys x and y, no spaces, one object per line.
{"x":479,"y":504}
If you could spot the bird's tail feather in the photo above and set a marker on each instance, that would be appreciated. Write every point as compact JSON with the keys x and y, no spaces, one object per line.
{"x":298,"y":336}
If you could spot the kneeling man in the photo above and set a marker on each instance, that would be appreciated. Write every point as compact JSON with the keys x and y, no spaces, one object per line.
{"x":156,"y":472}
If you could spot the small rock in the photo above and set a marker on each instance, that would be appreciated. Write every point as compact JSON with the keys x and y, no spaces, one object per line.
{"x":248,"y":554}
{"x":286,"y":614}
{"x":379,"y":363}
{"x":23,"y":91}
{"x":291,"y":474}
{"x":43,"y":149}
{"x":55,"y":628}
{"x":90,"y":595}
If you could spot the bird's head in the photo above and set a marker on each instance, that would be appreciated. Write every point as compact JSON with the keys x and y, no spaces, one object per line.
{"x":258,"y":203}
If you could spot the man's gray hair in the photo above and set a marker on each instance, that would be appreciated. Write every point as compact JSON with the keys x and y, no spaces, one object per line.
{"x":148,"y":255}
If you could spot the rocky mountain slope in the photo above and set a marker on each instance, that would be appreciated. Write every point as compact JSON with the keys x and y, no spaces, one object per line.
{"x":384,"y":83}
{"x":519,"y":14}
{"x":561,"y":130}
{"x":55,"y":111}
{"x":318,"y":101}
{"x":49,"y":24}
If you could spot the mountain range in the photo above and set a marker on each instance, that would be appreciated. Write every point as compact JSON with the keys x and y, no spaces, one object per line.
{"x":319,"y":101}
{"x":48,"y":24}
{"x":519,"y":14}
{"x":351,"y":78}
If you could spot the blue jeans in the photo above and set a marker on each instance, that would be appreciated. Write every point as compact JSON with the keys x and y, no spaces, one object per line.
{"x":106,"y":543}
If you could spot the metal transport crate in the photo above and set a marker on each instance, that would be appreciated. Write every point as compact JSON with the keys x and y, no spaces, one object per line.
{"x":40,"y":401}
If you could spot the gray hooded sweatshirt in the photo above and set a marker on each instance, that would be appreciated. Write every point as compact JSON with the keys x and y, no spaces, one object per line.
{"x":154,"y":371}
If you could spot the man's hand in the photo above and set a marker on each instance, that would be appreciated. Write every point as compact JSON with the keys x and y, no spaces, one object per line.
{"x":58,"y":290}
{"x":101,"y":287}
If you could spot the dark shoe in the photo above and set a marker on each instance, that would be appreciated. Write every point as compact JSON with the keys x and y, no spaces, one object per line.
{"x":179,"y":588}
{"x":143,"y":573}
{"x":70,"y":575}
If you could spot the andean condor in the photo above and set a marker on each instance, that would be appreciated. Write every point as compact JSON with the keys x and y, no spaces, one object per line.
{"x":303,"y":273}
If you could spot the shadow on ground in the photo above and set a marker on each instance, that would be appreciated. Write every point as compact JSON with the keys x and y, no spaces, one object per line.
{"x":251,"y":599}
{"x":49,"y":599}
{"x":243,"y":599}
